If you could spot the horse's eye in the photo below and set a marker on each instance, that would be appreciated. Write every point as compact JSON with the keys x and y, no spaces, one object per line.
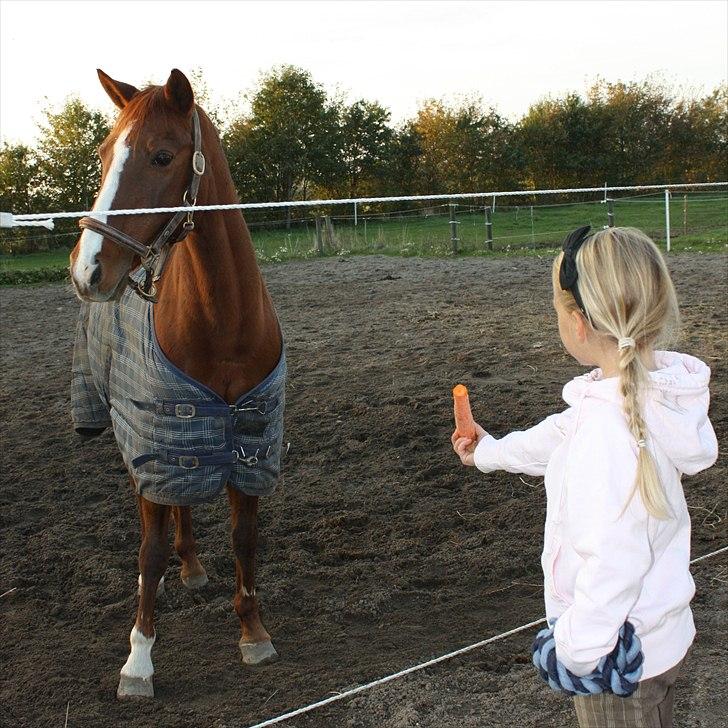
{"x":161,"y":159}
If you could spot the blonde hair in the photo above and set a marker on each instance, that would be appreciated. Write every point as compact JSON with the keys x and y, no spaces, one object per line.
{"x":627,"y":293}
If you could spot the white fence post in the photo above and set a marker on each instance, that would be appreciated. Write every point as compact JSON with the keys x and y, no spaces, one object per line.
{"x":355,"y":220}
{"x":533,"y":237}
{"x":454,"y":239}
{"x":667,"y":219}
{"x":488,"y":227}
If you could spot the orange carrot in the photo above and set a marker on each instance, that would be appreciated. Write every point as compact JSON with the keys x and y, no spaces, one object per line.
{"x":464,"y":423}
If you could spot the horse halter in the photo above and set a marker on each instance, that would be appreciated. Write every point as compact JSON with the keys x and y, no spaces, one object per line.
{"x":154,"y":255}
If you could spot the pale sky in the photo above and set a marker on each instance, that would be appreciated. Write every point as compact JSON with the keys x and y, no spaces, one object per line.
{"x":511,"y":53}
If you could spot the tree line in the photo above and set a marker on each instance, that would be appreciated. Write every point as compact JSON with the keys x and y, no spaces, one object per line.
{"x":296,"y":141}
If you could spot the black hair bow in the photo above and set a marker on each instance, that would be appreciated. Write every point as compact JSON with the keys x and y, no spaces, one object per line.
{"x":567,"y":273}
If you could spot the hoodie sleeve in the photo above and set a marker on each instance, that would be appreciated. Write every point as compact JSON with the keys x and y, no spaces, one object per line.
{"x":611,"y":539}
{"x":526,"y":451}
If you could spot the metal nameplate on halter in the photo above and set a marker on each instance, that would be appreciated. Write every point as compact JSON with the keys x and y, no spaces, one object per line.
{"x":185,"y":411}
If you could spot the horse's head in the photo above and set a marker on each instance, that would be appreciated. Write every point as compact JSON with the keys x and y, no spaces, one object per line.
{"x":146,"y":162}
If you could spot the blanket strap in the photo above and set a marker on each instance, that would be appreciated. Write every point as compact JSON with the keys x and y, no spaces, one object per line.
{"x":191,"y":461}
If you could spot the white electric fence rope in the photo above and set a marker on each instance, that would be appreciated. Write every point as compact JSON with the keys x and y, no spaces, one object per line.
{"x":396,"y":675}
{"x":422,"y":666}
{"x":707,"y":556}
{"x":9,"y":220}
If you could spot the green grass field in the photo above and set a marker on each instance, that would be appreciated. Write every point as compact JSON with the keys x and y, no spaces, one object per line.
{"x":698,"y":222}
{"x":34,"y":261}
{"x":515,"y":230}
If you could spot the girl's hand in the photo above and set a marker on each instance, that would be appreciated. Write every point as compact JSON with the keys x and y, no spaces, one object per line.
{"x":465,"y":447}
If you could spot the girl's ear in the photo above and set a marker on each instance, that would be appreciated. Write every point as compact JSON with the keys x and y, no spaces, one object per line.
{"x":580,"y":325}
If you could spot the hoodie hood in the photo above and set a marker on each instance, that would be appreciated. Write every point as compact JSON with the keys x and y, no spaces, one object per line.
{"x":675,"y":407}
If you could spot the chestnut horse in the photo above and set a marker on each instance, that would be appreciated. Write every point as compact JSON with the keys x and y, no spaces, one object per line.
{"x":212,"y":316}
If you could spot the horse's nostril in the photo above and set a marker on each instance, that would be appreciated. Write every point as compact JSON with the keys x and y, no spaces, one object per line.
{"x":95,"y":276}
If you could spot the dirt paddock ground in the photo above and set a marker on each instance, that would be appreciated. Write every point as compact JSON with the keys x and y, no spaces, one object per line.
{"x":378,"y":551}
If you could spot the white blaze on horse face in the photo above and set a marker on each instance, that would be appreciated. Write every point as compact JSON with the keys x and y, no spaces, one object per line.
{"x":90,"y":243}
{"x":139,"y":662}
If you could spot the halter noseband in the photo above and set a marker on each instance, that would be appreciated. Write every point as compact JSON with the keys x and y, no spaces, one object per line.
{"x":154,"y":255}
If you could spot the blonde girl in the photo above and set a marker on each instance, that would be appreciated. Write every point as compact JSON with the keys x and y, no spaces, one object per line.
{"x":617,"y":534}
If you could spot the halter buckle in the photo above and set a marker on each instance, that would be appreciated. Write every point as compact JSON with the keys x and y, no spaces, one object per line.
{"x":198,"y":163}
{"x":150,"y":295}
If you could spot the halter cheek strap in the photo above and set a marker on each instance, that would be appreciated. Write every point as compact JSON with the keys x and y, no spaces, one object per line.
{"x":154,"y":255}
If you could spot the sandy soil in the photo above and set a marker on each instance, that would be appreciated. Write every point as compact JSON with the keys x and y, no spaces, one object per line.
{"x":378,"y":551}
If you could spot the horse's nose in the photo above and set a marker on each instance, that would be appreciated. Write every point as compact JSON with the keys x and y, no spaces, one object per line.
{"x":95,"y":276}
{"x":86,"y":278}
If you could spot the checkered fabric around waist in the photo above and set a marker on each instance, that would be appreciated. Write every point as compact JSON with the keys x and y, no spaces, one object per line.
{"x":181,"y":442}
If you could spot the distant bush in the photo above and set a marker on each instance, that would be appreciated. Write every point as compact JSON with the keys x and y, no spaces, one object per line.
{"x":37,"y":275}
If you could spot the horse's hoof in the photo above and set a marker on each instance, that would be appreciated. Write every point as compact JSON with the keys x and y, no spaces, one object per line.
{"x":257,"y":653}
{"x":160,"y":587}
{"x":134,"y":687}
{"x":195,"y":581}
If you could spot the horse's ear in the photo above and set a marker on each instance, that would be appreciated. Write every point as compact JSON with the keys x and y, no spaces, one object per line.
{"x":120,"y":93}
{"x":178,"y":92}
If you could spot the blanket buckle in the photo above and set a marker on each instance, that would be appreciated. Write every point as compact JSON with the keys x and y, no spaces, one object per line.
{"x":185,"y":411}
{"x":188,"y":462}
{"x":241,"y":457}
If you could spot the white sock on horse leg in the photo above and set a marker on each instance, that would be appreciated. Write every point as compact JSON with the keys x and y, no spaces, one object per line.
{"x":139,"y":662}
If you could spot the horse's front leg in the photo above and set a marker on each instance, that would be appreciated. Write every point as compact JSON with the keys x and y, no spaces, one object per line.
{"x":136,"y":675}
{"x":160,"y":587}
{"x":255,"y":644}
{"x":193,"y":573}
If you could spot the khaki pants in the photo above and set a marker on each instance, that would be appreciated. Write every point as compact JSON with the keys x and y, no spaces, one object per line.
{"x":650,"y":706}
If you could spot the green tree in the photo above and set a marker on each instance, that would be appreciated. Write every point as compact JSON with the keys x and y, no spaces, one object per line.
{"x":634,"y":127}
{"x":620,"y":133}
{"x":289,"y":140}
{"x":402,"y":171}
{"x":464,"y":147}
{"x":19,"y":194}
{"x":366,"y":145}
{"x":697,"y":145}
{"x":246,"y":158}
{"x":68,"y":162}
{"x":19,"y":191}
{"x":563,"y":144}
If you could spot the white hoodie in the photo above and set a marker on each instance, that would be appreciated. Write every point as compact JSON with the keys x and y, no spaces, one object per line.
{"x":602,"y":565}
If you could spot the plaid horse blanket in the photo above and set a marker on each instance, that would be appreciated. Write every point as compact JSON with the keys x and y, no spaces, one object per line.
{"x":181,"y":442}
